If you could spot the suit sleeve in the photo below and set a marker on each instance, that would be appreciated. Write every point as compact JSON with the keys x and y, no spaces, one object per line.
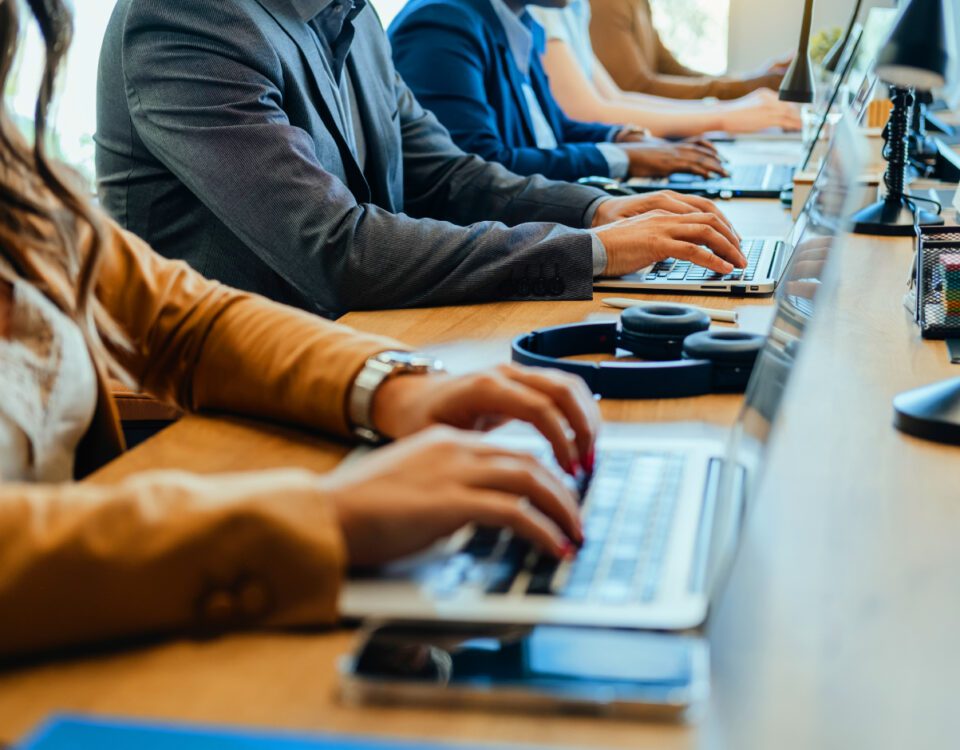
{"x":165,"y":553}
{"x":438,"y":53}
{"x":206,"y":99}
{"x":207,"y":347}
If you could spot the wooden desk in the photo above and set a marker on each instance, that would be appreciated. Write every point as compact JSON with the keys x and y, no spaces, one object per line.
{"x":838,"y":628}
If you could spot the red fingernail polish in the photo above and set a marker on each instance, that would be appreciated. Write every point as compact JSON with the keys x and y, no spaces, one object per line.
{"x":568,"y":550}
{"x":590,"y":461}
{"x":575,"y":469}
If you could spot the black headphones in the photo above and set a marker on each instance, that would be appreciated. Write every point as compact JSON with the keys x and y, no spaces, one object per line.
{"x":683,"y":356}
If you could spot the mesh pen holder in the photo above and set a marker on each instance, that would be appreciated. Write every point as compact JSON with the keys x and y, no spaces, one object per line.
{"x":938,"y":282}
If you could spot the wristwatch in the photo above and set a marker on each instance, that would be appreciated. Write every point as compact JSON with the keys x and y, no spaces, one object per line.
{"x":378,"y":370}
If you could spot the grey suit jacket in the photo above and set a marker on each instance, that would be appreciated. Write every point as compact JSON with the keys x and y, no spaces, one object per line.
{"x":220,"y":143}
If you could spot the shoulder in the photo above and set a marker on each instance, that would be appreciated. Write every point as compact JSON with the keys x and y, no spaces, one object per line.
{"x":216,"y":19}
{"x":146,"y":36}
{"x":463,"y":15}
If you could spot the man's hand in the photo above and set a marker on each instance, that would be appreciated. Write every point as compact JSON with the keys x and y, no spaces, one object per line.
{"x":616,"y":209}
{"x":702,"y":238}
{"x":664,"y":159}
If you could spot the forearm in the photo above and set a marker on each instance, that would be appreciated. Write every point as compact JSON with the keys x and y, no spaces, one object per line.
{"x":205,"y":346}
{"x":723,"y":88}
{"x":583,"y":98}
{"x":164,"y":553}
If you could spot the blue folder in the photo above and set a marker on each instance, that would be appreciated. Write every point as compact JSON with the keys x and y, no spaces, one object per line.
{"x":83,"y":733}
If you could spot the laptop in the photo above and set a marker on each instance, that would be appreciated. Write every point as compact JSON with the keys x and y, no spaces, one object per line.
{"x":758,"y":180}
{"x":661,"y":513}
{"x":767,"y":258}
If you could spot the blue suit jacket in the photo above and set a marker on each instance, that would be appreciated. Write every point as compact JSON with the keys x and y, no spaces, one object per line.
{"x":455,"y":57}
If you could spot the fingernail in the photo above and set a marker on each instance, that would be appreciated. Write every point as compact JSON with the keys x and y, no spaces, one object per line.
{"x":590,"y":461}
{"x":567,"y":550}
{"x":576,"y":470}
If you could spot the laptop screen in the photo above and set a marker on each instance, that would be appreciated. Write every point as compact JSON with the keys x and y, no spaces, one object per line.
{"x":824,"y":118}
{"x":807,"y":276}
{"x":951,"y":92}
{"x":875,"y":32}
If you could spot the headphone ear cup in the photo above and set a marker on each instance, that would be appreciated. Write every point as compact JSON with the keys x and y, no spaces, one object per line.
{"x":657,"y":332}
{"x":732,"y":354}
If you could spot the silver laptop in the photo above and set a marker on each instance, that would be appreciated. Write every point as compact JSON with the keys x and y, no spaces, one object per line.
{"x":661,"y":513}
{"x":767,"y":259}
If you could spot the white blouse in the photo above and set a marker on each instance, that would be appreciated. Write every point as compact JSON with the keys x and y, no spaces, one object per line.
{"x":48,"y":388}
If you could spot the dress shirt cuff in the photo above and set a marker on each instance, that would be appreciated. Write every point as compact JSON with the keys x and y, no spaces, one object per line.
{"x":592,"y":209}
{"x":617,"y":160}
{"x":599,"y":255}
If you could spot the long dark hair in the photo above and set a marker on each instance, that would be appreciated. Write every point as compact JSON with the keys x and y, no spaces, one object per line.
{"x":49,"y":230}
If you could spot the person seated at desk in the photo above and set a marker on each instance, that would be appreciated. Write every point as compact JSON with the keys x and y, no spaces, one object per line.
{"x":271,"y":144}
{"x":630,"y":48}
{"x":476,"y":65}
{"x":585,"y":90}
{"x":168,"y":552}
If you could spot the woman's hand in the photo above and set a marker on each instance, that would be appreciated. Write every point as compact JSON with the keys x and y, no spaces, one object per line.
{"x":559,"y":405}
{"x":758,"y":111}
{"x":404,"y":497}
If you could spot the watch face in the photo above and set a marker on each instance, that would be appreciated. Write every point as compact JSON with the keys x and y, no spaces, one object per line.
{"x":407,"y":359}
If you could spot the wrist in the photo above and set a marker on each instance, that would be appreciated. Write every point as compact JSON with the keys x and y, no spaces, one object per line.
{"x":398,"y":402}
{"x":631,"y":134}
{"x":370,"y":386}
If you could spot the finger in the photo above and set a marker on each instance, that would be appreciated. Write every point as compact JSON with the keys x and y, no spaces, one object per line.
{"x":499,"y":509}
{"x":694,"y":167}
{"x":714,"y":240}
{"x":706,"y":166}
{"x":711,"y":160}
{"x":671,"y":205}
{"x":703,"y":143}
{"x":701,"y":149}
{"x":714,"y":222}
{"x":523,"y":475}
{"x":707,"y":206}
{"x":701,"y":256}
{"x":571,"y":395}
{"x":506,"y":397}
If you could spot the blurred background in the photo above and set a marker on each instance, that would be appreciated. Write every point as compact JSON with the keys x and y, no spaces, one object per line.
{"x":709,"y":35}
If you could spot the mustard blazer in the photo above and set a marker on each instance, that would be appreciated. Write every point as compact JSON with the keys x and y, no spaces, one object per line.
{"x":170,"y":552}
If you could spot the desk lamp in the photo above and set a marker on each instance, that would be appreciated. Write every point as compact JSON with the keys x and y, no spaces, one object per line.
{"x":798,"y":85}
{"x":914,"y":57}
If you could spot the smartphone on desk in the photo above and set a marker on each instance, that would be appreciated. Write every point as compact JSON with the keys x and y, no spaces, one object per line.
{"x":543,"y":668}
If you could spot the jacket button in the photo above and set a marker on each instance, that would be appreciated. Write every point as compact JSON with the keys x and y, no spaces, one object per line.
{"x":218,"y":608}
{"x":253,"y":600}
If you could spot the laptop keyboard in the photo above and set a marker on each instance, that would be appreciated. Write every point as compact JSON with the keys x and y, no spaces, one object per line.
{"x":672,"y":269}
{"x":628,"y":514}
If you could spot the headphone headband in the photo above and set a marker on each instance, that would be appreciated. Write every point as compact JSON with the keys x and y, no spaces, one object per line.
{"x":714,"y":361}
